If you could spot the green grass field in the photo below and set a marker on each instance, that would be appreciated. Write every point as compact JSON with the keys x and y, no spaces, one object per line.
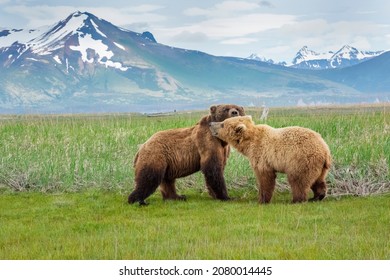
{"x":64,"y":182}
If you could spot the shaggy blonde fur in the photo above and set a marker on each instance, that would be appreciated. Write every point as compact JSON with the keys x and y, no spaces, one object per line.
{"x":299,"y":152}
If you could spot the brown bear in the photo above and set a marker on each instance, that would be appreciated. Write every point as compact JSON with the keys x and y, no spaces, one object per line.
{"x":299,"y":152}
{"x":176,"y":153}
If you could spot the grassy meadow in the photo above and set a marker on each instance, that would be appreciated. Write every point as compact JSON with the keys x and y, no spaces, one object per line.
{"x":64,"y":182}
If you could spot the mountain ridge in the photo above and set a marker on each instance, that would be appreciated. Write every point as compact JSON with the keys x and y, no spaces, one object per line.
{"x":308,"y":59}
{"x":86,"y":64}
{"x":344,"y":57}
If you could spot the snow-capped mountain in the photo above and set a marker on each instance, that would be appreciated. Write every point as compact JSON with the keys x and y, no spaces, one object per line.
{"x":310,"y":59}
{"x":344,"y":57}
{"x":74,"y":57}
{"x":260,"y":58}
{"x":86,"y":64}
{"x":77,"y":34}
{"x":348,"y":56}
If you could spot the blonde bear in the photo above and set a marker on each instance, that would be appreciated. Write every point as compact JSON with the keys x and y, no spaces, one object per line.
{"x":299,"y":152}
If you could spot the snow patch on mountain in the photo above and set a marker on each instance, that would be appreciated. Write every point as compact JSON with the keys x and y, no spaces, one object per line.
{"x":57,"y":59}
{"x":97,"y":29}
{"x":88,"y":43}
{"x":55,"y":37}
{"x":11,"y":36}
{"x":119,"y":46}
{"x":96,"y":51}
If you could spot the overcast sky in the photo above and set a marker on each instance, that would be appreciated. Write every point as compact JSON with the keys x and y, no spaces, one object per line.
{"x":274,"y":29}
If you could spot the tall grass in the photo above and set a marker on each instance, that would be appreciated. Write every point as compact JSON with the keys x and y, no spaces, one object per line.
{"x":70,"y":153}
{"x":64,"y":182}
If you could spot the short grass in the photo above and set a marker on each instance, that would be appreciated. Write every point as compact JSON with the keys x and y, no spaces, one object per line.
{"x":64,"y":181}
{"x":101,"y":225}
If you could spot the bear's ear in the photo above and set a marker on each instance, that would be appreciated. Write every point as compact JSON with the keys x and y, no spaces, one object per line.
{"x":213,"y":109}
{"x":249,"y":118}
{"x":240,"y":128}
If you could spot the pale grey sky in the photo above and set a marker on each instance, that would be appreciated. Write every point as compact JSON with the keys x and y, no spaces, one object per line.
{"x":275,"y":29}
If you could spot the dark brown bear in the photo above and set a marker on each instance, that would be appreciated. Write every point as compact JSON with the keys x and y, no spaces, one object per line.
{"x":176,"y":153}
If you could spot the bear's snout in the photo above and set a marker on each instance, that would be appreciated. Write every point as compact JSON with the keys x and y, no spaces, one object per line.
{"x":234,"y":112}
{"x":214,"y":127}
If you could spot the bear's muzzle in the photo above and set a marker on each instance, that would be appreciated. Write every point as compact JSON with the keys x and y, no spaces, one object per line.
{"x":214,"y":127}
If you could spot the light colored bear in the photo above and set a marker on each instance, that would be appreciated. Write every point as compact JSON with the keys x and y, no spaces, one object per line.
{"x":299,"y":152}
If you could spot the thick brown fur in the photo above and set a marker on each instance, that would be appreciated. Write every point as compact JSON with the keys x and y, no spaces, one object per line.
{"x":176,"y":153}
{"x":299,"y":152}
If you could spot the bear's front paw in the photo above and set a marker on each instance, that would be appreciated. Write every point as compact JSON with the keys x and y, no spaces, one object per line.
{"x":317,"y":198}
{"x":143,"y":203}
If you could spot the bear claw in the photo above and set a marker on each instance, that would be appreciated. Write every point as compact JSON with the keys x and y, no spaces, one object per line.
{"x":143,"y":203}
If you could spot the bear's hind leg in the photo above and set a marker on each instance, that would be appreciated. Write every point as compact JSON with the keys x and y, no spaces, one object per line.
{"x":319,"y":190}
{"x":299,"y":188}
{"x":168,"y":190}
{"x":319,"y":187}
{"x":147,"y":181}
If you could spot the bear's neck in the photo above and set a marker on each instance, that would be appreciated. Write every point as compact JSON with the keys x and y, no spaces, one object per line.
{"x":242,"y":147}
{"x":211,"y":118}
{"x":206,"y":120}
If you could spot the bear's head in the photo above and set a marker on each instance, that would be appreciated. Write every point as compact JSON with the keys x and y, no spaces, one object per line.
{"x":222,"y":112}
{"x":232,"y":130}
